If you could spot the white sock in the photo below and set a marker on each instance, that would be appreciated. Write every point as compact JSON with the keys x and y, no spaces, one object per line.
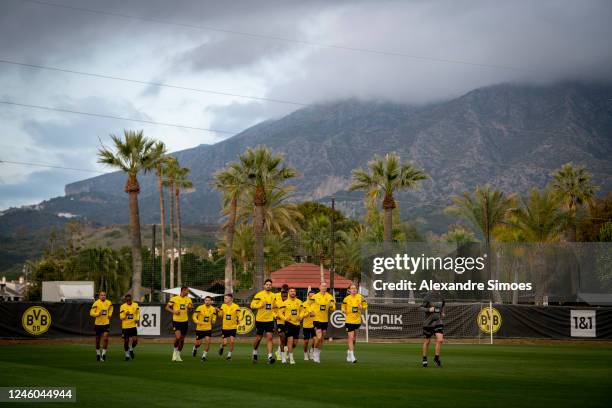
{"x":254,"y":352}
{"x":229,"y":353}
{"x":290,"y":356}
{"x":204,"y":353}
{"x":127,"y":353}
{"x":306,"y":354}
{"x":98,"y":351}
{"x":176,"y":349}
{"x":103,"y":352}
{"x":269,"y":355}
{"x":131,"y":348}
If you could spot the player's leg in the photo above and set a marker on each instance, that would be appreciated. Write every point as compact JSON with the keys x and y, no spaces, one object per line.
{"x":426,"y":342}
{"x":126,"y":344}
{"x":104,"y":344}
{"x":306,"y":341}
{"x":350,"y":336}
{"x":206,"y":347}
{"x":318,"y":344}
{"x":232,"y":340}
{"x":177,"y":339}
{"x":269,"y":346}
{"x":196,"y":344}
{"x":223,"y":342}
{"x":439,"y":341}
{"x":134,"y":344}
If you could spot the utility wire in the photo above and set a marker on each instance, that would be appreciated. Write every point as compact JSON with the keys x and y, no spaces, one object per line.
{"x":284,"y":39}
{"x":101,"y":115}
{"x":51,"y":166}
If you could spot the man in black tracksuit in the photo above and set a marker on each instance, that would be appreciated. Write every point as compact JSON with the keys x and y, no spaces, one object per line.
{"x":433,"y":306}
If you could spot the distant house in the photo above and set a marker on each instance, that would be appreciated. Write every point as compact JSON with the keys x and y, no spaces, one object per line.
{"x":13,"y":291}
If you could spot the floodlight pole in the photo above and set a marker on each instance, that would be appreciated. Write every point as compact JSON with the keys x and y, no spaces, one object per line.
{"x":152,"y":264}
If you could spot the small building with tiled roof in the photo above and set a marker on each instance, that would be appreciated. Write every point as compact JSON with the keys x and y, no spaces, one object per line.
{"x":304,"y":275}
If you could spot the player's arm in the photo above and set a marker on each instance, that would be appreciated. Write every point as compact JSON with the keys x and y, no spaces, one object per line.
{"x":110,"y":311}
{"x":332,"y":305}
{"x":344,"y":307}
{"x":425,"y":306}
{"x":195,"y":316}
{"x":137,"y":314}
{"x":256,"y":303}
{"x":364,"y":304}
{"x":169,"y":308}
{"x":123,"y":313}
{"x":93,"y":312}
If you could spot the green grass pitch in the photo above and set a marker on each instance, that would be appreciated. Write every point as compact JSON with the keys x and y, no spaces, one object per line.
{"x":388,"y":375}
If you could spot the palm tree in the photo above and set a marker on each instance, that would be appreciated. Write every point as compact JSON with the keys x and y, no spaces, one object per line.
{"x":160,"y":168}
{"x":280,"y":216}
{"x":265,"y":172}
{"x":172,"y":167}
{"x":574,"y":187}
{"x":132,"y":154}
{"x":485,"y":209}
{"x":540,"y":220}
{"x":231,"y":182}
{"x":316,"y":238}
{"x":181,"y":182}
{"x":385,"y":176}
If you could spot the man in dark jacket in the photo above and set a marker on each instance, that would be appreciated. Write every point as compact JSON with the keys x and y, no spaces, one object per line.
{"x":433,"y":306}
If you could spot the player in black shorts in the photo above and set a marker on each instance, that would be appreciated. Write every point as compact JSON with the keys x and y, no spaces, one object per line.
{"x":433,"y":306}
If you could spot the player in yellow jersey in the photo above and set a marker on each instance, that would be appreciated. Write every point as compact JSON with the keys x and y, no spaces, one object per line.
{"x":101,"y":310}
{"x":308,"y":327}
{"x":281,"y":353}
{"x":323,"y":304}
{"x":229,"y":312}
{"x":204,"y":317}
{"x":129,"y":313}
{"x":180,"y":306}
{"x":293,"y":312}
{"x":352,"y":306}
{"x":264,"y":303}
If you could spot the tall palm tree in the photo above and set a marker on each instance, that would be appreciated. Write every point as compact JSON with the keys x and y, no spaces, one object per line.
{"x":181,"y":182}
{"x":265,"y":172}
{"x":160,"y":168}
{"x":485,"y":209}
{"x":280,"y":216}
{"x":132,"y":154}
{"x":574,"y":187}
{"x":385,"y":176}
{"x":231,"y":182}
{"x":540,"y":220}
{"x":316,"y":239}
{"x":172,"y":168}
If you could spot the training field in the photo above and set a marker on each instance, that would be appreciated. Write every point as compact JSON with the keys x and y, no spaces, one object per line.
{"x":388,"y":375}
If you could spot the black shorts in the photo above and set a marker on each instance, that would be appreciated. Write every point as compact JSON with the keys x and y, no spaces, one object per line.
{"x":292,"y":330}
{"x":429,"y":331}
{"x":280,"y":328}
{"x":321,"y":325}
{"x":127,"y":333}
{"x":181,"y":326}
{"x":309,"y":332}
{"x":351,"y":327}
{"x":228,"y":332}
{"x":102,"y":328}
{"x":200,"y":334}
{"x":264,"y":327}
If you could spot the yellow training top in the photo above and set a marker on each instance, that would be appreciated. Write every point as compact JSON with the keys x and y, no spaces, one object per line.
{"x":229,"y":314}
{"x":293,"y":311}
{"x":307,"y":323}
{"x":350,"y":307}
{"x":102,"y":311}
{"x":129,"y":315}
{"x":181,"y":304}
{"x":204,"y":317}
{"x":324,"y":303}
{"x":265,"y":304}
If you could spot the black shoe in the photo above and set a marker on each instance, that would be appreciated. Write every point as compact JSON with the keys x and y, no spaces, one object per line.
{"x":203,"y":358}
{"x":103,"y":358}
{"x":354,"y":361}
{"x":254,"y":358}
{"x":127,"y":358}
{"x":424,"y":363}
{"x":229,"y":358}
{"x":438,"y":362}
{"x":271,"y":360}
{"x":132,"y":355}
{"x":97,"y":357}
{"x":194,"y":352}
{"x":220,"y":351}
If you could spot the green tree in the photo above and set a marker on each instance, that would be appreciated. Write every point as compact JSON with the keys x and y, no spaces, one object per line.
{"x":132,"y":154}
{"x":574,"y":188}
{"x":384,"y":177}
{"x":265,"y":172}
{"x":181,"y":183}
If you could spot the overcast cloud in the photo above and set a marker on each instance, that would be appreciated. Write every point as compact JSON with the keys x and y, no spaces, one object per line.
{"x":535,"y":41}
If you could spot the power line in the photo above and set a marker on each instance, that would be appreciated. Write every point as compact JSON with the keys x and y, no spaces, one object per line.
{"x":158,"y":84}
{"x":284,"y":39}
{"x":50,"y":166}
{"x":101,"y":115}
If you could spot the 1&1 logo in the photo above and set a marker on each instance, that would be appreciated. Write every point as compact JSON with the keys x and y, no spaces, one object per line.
{"x":36,"y":320}
{"x":337,"y":319}
{"x":247,"y":321}
{"x":488,"y":319}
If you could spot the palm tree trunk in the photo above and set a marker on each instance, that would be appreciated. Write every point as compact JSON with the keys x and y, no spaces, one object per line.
{"x":172,"y":283}
{"x":162,"y":216}
{"x":180,"y":249}
{"x":259,"y":246}
{"x":132,"y":188}
{"x":229,"y":244}
{"x":388,"y":206}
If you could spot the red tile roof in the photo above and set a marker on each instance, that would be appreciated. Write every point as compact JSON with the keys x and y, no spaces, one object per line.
{"x":303,"y":275}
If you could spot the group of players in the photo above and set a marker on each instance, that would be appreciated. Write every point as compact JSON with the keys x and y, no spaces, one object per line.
{"x":282,"y":313}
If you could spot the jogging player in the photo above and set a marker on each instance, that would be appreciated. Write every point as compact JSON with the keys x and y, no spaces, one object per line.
{"x":264,"y":303}
{"x":204,"y":317}
{"x":179,"y":306}
{"x":293,"y":312}
{"x":433,"y":306}
{"x":229,"y":313}
{"x":101,"y":310}
{"x":308,"y":327}
{"x":280,"y":324}
{"x":353,"y":306}
{"x":323,"y":304}
{"x":129,"y":313}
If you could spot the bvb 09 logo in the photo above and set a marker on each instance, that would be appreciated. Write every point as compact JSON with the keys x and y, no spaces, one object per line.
{"x":247,"y":321}
{"x":36,"y":320}
{"x":489,"y":318}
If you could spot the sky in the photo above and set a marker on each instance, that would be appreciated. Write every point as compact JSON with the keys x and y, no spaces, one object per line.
{"x":412,"y":52}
